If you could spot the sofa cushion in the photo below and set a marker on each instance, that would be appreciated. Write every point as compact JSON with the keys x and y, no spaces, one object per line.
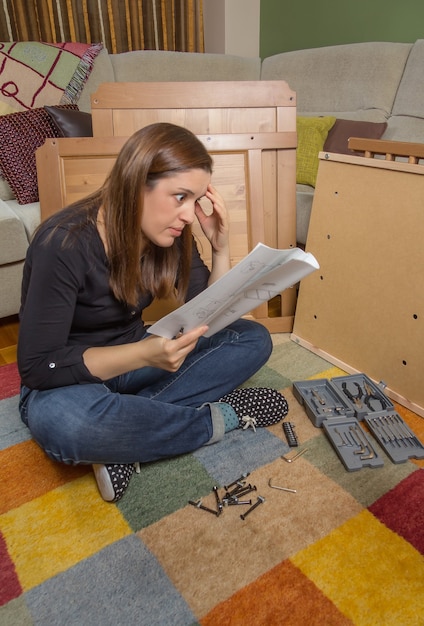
{"x":20,"y":135}
{"x":165,"y":65}
{"x":70,"y":122}
{"x":13,"y":238}
{"x":405,"y":128}
{"x":29,"y":214}
{"x":311,"y":135}
{"x":10,"y":281}
{"x":102,"y":72}
{"x":350,"y":81}
{"x":409,"y":98}
{"x":304,"y":199}
{"x":6,"y":192}
{"x":407,"y":120}
{"x":339,"y":134}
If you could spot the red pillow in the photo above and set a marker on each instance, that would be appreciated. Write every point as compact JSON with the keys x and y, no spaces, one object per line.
{"x":20,"y":135}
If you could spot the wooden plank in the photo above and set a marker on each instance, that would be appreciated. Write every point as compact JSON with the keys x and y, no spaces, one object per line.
{"x":49,"y":178}
{"x":365,"y":305}
{"x":200,"y":95}
{"x":79,"y":167}
{"x":383,"y":146}
{"x":86,"y":161}
{"x":124,"y":122}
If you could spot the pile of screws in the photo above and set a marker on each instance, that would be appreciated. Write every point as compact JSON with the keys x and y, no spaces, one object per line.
{"x":233,"y":496}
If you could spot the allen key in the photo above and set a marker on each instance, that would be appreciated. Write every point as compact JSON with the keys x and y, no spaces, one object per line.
{"x":281,"y":488}
{"x":365,"y":444}
{"x":293,"y":458}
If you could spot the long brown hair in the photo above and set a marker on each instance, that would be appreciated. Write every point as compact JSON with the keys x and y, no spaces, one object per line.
{"x":136,"y":264}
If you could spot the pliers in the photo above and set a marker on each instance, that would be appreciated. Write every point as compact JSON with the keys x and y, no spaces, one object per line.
{"x":370,"y":395}
{"x":355,"y":399}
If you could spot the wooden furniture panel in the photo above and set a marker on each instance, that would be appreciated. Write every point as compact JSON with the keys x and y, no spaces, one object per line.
{"x":69,"y":169}
{"x":261,"y":108}
{"x":364,"y":309}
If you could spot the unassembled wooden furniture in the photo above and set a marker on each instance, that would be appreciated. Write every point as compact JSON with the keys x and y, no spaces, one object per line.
{"x":364,"y":309}
{"x":225,"y":108}
{"x":251,"y":134}
{"x":391,"y":150}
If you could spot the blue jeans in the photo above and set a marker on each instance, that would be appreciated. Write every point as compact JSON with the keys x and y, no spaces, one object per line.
{"x":147,"y":414}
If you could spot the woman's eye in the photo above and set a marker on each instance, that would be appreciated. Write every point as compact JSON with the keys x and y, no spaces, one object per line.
{"x":180,"y":197}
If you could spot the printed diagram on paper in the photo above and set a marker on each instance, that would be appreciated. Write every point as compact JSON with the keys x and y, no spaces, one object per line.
{"x":261,"y":275}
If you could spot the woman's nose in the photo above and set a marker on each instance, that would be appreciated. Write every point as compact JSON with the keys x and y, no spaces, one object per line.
{"x":187,"y":214}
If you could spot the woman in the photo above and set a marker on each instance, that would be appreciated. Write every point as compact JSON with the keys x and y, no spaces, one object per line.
{"x":96,"y":387}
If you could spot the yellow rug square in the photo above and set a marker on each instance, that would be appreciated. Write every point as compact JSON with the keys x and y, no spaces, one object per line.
{"x":52,"y":533}
{"x":371,"y":574}
{"x":332,"y":372}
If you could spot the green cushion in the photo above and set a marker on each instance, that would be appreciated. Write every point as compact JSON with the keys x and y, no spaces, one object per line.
{"x":311,"y":135}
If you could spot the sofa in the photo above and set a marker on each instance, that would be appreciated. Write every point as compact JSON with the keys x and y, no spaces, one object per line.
{"x":371,"y":89}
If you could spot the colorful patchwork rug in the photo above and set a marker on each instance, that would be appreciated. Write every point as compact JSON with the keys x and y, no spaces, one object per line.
{"x":34,"y":74}
{"x":345,"y":548}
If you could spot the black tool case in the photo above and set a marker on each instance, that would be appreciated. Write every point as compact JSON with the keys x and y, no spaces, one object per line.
{"x":339,"y":404}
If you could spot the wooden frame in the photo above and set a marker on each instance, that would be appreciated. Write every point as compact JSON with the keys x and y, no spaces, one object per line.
{"x":363,"y":310}
{"x":69,"y":169}
{"x":217,"y":107}
{"x":227,"y":108}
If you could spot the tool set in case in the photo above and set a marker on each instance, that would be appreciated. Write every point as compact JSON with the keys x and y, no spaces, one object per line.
{"x":339,"y":404}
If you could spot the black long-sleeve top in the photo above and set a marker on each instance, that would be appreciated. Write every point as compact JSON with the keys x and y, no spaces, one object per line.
{"x":67,"y":304}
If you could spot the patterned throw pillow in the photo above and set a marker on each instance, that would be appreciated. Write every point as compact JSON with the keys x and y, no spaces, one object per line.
{"x":20,"y":135}
{"x":35,"y":73}
{"x":5,"y":108}
{"x":311,"y":135}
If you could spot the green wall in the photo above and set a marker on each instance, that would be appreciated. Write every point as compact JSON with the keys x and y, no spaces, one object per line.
{"x":297,"y":24}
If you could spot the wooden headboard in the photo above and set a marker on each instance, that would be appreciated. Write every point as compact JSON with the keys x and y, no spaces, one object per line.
{"x":217,"y":107}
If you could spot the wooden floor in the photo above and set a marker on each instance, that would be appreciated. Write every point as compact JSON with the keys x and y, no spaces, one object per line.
{"x":8,"y":339}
